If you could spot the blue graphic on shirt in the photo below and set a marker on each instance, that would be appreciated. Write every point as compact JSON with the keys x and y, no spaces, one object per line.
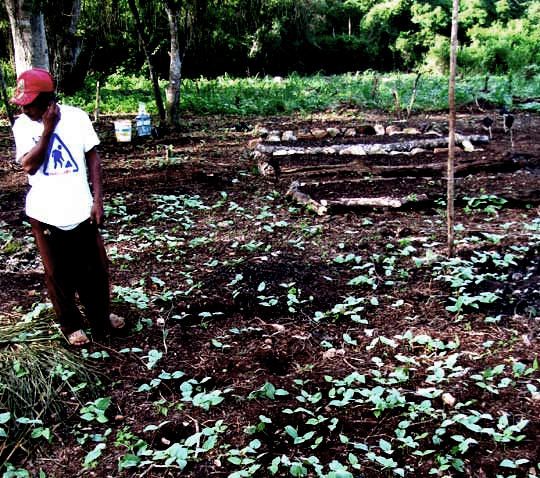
{"x":62,"y":159}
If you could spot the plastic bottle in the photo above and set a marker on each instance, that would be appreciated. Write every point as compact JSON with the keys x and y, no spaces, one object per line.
{"x":143,"y":122}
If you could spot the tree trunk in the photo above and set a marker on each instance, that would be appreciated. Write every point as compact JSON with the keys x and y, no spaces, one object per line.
{"x":172,"y":92}
{"x":144,"y":42}
{"x":28,"y":33}
{"x":65,"y":45}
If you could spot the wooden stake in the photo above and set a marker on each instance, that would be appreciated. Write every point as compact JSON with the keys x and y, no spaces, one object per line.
{"x":397,"y":102}
{"x":98,"y":99}
{"x":413,"y":96}
{"x":375,"y":87}
{"x":450,"y":212}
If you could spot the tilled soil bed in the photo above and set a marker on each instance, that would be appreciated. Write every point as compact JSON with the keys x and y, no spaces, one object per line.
{"x":266,"y":340}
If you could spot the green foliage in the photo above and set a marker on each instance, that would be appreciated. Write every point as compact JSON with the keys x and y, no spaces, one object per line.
{"x":270,"y":96}
{"x":502,"y":47}
{"x":269,"y":37}
{"x":96,"y":410}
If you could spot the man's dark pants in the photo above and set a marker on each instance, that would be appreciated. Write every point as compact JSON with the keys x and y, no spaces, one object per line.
{"x":75,"y":263}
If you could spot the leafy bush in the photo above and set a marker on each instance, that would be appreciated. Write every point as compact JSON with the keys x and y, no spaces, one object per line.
{"x":502,"y":48}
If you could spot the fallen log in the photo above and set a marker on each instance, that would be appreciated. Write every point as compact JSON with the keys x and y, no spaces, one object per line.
{"x":322,"y":207}
{"x":464,"y":167}
{"x":377,"y":201}
{"x":365,"y":149}
{"x":355,"y":165}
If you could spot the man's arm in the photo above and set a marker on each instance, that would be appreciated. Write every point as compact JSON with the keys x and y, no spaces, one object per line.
{"x":32,"y":160}
{"x":94,"y":169}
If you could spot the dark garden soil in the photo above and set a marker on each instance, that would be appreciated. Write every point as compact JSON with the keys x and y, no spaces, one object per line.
{"x":212,"y":276}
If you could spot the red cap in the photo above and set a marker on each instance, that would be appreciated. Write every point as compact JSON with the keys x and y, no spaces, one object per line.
{"x":30,"y":84}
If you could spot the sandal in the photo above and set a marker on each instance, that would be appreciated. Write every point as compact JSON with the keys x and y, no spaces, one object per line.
{"x":78,"y":338}
{"x":116,"y":321}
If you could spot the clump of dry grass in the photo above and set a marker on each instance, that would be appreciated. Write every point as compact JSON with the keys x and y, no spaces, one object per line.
{"x":40,"y":380}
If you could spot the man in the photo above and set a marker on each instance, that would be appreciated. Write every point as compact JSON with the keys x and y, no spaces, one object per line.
{"x":55,"y":145}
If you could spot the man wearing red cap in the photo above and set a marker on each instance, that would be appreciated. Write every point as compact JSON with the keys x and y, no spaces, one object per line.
{"x":56,"y":144}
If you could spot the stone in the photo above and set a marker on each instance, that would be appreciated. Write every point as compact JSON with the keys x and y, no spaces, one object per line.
{"x":380,"y":129}
{"x":467,"y":146}
{"x":304,"y":134}
{"x":261,"y":131}
{"x":332,"y":352}
{"x":448,"y":399}
{"x":273,"y":137}
{"x":332,"y":132}
{"x":319,"y":133}
{"x":349,"y":133}
{"x":288,"y":136}
{"x":252,"y":143}
{"x":392,"y":129}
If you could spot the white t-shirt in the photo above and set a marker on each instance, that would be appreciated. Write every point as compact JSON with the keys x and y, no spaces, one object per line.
{"x":59,"y":194}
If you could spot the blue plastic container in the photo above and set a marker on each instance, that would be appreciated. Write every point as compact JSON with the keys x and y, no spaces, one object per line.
{"x":143,"y":123}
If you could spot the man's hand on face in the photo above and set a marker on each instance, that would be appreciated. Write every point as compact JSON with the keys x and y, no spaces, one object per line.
{"x":51,"y":116}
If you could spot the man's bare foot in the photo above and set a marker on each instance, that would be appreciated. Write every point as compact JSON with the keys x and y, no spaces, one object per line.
{"x":78,"y":338}
{"x":116,"y":321}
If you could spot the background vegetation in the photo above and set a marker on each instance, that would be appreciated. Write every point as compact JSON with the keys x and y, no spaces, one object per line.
{"x":279,"y":37}
{"x":307,"y":94}
{"x":121,"y":93}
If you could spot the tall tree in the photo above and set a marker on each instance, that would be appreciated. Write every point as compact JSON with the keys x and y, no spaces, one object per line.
{"x":145,"y":46}
{"x":28,"y":33}
{"x":61,"y":24}
{"x":182,"y":16}
{"x":175,"y":66}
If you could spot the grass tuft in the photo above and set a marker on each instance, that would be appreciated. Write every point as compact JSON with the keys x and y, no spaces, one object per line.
{"x":40,"y":380}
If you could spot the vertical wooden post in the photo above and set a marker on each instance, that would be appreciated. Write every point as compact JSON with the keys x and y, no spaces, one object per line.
{"x":413,"y":96}
{"x":98,"y":99}
{"x":450,"y":213}
{"x":397,"y":103}
{"x":375,"y":87}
